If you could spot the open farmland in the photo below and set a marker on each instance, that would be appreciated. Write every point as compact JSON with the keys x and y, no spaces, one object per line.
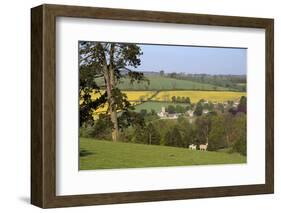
{"x":164,"y":98}
{"x":195,"y":96}
{"x":157,"y":82}
{"x":133,"y":96}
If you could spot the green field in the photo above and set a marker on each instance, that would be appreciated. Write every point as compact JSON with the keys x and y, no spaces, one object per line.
{"x":150,"y":105}
{"x":157,"y":82}
{"x":96,"y":154}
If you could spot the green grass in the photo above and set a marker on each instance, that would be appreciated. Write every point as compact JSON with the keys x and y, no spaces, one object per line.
{"x":150,"y":105}
{"x":96,"y":154}
{"x":165,"y":83}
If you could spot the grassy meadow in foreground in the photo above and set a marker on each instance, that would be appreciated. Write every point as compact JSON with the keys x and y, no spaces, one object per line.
{"x":98,"y":154}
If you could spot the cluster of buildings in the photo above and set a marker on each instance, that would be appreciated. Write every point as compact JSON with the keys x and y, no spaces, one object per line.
{"x":163,"y":114}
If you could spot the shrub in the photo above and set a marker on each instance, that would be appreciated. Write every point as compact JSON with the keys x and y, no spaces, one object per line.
{"x":101,"y":129}
{"x":240,"y":146}
{"x":174,"y":138}
{"x":171,"y":109}
{"x":199,"y":109}
{"x":168,"y":141}
{"x":217,"y":134}
{"x":152,"y":135}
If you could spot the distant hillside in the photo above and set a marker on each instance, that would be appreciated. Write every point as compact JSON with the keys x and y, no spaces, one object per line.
{"x":157,"y":82}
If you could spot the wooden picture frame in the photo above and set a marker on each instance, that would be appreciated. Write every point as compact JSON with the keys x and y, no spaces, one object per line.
{"x":43,"y":105}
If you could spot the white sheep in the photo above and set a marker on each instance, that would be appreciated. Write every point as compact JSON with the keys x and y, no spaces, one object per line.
{"x":192,"y":147}
{"x":203,"y":147}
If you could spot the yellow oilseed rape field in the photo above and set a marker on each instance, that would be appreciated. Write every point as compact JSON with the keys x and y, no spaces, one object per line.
{"x":136,"y":96}
{"x":133,"y":97}
{"x":195,"y":96}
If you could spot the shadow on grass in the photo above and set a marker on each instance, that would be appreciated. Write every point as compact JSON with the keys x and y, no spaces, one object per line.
{"x":84,"y":153}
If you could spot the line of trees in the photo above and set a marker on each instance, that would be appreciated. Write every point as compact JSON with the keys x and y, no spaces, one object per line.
{"x":183,"y":99}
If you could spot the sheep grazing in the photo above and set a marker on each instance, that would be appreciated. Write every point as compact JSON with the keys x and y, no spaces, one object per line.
{"x":192,"y":147}
{"x":203,"y":147}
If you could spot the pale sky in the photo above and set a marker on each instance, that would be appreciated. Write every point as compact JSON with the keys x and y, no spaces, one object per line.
{"x":188,"y":59}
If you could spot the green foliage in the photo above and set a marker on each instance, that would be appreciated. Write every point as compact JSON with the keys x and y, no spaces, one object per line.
{"x":186,"y":131}
{"x":242,"y":107}
{"x":147,"y":135}
{"x":131,"y":118}
{"x":87,"y":85}
{"x":177,"y":139}
{"x":139,"y":136}
{"x":240,"y":146}
{"x":153,"y":105}
{"x":198,"y":109}
{"x":202,"y":128}
{"x":181,"y":99}
{"x":106,"y":61}
{"x":221,"y":107}
{"x":168,"y":140}
{"x":240,"y":126}
{"x":127,"y":135}
{"x":179,"y":109}
{"x":171,"y":109}
{"x":143,"y":112}
{"x":100,"y":130}
{"x":152,"y":135}
{"x":174,"y":138}
{"x":188,"y":107}
{"x":217,"y":134}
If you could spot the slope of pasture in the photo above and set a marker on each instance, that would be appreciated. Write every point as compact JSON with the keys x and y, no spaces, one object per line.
{"x":195,"y":96}
{"x":96,"y":154}
{"x":153,"y":105}
{"x":157,"y":82}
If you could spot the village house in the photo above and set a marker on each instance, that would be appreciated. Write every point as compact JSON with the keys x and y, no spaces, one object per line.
{"x":205,"y":111}
{"x":165,"y":115}
{"x":162,"y":113}
{"x":190,"y":113}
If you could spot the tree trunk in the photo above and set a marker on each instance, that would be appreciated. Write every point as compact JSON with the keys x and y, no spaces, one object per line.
{"x":110,"y":84}
{"x":115,"y":129}
{"x":114,"y":120}
{"x":207,"y":132}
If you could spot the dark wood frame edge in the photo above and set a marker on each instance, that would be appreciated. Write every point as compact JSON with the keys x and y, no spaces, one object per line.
{"x":43,"y":104}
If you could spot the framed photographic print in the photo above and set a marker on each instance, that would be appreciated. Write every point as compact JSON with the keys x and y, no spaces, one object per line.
{"x":137,"y":106}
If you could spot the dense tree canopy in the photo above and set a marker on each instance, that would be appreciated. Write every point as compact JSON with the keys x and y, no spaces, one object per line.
{"x":112,"y":62}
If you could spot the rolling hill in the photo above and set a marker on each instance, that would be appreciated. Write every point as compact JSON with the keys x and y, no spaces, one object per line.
{"x":157,"y":82}
{"x":97,"y":154}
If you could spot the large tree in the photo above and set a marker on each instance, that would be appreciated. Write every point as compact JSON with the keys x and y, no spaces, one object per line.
{"x":217,"y":134}
{"x":153,"y":136}
{"x":111,"y":62}
{"x":242,"y":107}
{"x":203,"y":128}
